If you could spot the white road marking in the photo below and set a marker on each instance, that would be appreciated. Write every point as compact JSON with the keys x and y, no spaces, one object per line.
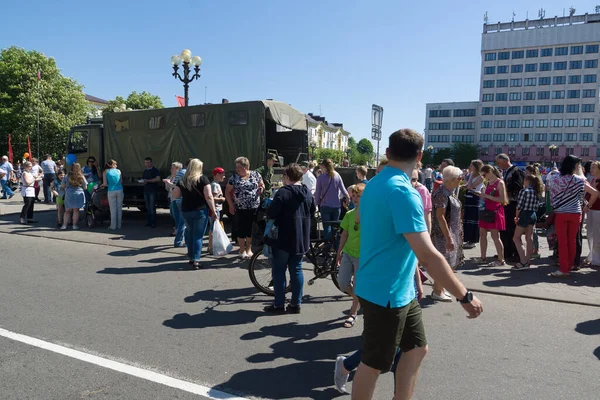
{"x":120,"y":367}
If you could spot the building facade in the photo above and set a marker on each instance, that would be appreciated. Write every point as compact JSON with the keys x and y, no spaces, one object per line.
{"x":447,"y":123}
{"x":326,"y":135}
{"x":538,"y":90}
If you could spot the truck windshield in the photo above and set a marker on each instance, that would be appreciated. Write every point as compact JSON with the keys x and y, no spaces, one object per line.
{"x":78,"y":142}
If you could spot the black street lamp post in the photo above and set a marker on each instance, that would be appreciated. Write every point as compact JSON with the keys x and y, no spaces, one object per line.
{"x":313,"y":146}
{"x":187,"y":60}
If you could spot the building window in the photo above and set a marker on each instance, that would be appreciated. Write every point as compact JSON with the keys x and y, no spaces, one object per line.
{"x":585,"y":152}
{"x":502,"y":83}
{"x":529,"y":96}
{"x":591,"y":48}
{"x":514,"y":110}
{"x":513,"y":137}
{"x":558,"y":94}
{"x":589,"y":78}
{"x":514,"y":124}
{"x":486,"y":137}
{"x":558,"y":109}
{"x":545,"y":95}
{"x":530,"y":67}
{"x":498,"y":150}
{"x":560,"y":80}
{"x":573,"y":94}
{"x":463,"y":126}
{"x":487,"y":97}
{"x":121,"y":125}
{"x":515,"y":96}
{"x":560,"y":65}
{"x":237,"y":118}
{"x":516,"y":82}
{"x":499,"y":137}
{"x":512,"y":151}
{"x":530,"y":81}
{"x":501,"y":97}
{"x":486,"y":124}
{"x":588,"y":108}
{"x":574,"y":79}
{"x":591,"y":63}
{"x":439,"y":113}
{"x":588,"y":93}
{"x":503,"y":69}
{"x":570,"y":151}
{"x":156,"y":122}
{"x":504,"y":55}
{"x":195,"y":120}
{"x":515,"y":69}
{"x":533,"y":53}
{"x":543,"y":109}
{"x":541,"y":137}
{"x":441,"y":126}
{"x":500,"y":124}
{"x":545,"y":66}
{"x":489,"y":70}
{"x":500,"y":110}
{"x":576,"y":49}
{"x":528,"y":109}
{"x":556,"y":123}
{"x":518,"y":54}
{"x":463,"y":138}
{"x":484,"y":151}
{"x":527,"y":137}
{"x":488,"y":84}
{"x":586,"y":137}
{"x":490,"y":56}
{"x":571,"y":123}
{"x":541,"y":123}
{"x":539,"y":151}
{"x":470,"y":112}
{"x":587,"y":122}
{"x":544,"y":81}
{"x":570,"y":137}
{"x":575,"y":65}
{"x":547,"y":52}
{"x":525,"y":151}
{"x":527,"y":123}
{"x":573,"y":108}
{"x":556,"y":137}
{"x":487,"y":111}
{"x":562,"y":51}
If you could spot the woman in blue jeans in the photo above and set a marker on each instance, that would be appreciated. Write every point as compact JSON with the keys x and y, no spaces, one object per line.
{"x":291,"y":208}
{"x":197,"y":205}
{"x":330,"y":189}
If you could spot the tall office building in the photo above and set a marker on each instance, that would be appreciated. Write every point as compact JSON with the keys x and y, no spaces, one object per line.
{"x":538,"y":91}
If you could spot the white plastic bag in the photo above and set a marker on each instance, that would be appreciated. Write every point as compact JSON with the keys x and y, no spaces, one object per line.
{"x":220,"y":242}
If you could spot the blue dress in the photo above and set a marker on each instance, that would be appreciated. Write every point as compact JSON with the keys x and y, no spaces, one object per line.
{"x":75,"y":195}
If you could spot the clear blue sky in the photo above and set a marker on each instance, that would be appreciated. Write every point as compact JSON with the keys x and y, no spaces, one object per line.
{"x":341,"y":56}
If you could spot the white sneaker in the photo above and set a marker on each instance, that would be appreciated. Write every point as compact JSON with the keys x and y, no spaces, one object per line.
{"x":63,"y":228}
{"x":249,"y":254}
{"x":339,"y":378}
{"x":244,"y":256}
{"x":441,"y":297}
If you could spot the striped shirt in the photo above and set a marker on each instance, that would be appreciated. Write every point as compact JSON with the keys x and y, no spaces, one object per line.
{"x":566,"y":194}
{"x":528,"y":200}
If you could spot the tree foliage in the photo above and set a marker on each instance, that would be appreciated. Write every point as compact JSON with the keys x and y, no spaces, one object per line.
{"x":57,"y":99}
{"x":463,"y":154}
{"x":365,"y":146}
{"x":427,"y":158}
{"x":336,"y":155}
{"x":135,"y":101}
{"x":440,"y":155}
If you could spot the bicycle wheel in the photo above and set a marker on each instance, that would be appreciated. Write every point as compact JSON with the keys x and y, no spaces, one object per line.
{"x":261,"y":276}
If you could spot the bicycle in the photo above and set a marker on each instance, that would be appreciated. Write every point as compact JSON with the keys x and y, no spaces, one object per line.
{"x":322,"y":254}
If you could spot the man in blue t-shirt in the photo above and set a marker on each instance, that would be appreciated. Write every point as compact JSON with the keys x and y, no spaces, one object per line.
{"x":393,"y":236}
{"x":150,"y":179}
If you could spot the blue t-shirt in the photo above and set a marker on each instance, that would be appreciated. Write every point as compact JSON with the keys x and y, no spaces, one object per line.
{"x":389,"y":208}
{"x":113,"y":179}
{"x":151,"y":173}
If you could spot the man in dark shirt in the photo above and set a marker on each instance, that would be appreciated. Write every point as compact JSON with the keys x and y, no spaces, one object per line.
{"x":266,"y":171}
{"x":513,"y":178}
{"x":150,"y":179}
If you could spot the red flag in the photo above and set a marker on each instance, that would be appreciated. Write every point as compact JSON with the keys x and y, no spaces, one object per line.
{"x":180,"y":101}
{"x":10,"y":150}
{"x":29,"y":148}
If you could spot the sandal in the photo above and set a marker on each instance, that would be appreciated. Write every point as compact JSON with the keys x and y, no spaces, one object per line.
{"x":349,"y":323}
{"x":497,"y":264}
{"x":520,"y":267}
{"x":479,"y":260}
{"x":559,"y":274}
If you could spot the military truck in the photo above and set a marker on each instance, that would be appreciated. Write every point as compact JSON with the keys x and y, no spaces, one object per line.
{"x":215,"y":133}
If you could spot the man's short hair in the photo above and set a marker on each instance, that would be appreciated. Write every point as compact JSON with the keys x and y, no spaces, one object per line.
{"x":405,"y":145}
{"x":503,"y":156}
{"x":362,"y":169}
{"x":448,"y":162}
{"x":148,"y":159}
{"x":294,"y":172}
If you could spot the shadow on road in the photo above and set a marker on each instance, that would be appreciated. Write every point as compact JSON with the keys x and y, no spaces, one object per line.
{"x":591,"y":327}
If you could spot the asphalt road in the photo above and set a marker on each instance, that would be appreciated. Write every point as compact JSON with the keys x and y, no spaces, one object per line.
{"x":140,"y":307}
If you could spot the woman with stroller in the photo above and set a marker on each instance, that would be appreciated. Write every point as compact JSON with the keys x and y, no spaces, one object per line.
{"x":74,"y":185}
{"x":111,"y":179}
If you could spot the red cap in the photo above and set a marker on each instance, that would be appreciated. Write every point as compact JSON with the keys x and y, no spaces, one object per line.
{"x":218,"y":171}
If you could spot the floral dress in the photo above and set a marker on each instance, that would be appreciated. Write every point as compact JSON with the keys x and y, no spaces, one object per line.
{"x":441,"y":199}
{"x":245,"y":191}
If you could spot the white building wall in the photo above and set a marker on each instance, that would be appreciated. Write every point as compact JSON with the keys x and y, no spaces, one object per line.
{"x":459,"y":125}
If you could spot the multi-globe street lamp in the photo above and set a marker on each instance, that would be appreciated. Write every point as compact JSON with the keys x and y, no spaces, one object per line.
{"x":186,"y":59}
{"x":553,"y":149}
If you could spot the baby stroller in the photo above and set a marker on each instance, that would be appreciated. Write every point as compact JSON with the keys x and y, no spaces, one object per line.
{"x":98,"y":209}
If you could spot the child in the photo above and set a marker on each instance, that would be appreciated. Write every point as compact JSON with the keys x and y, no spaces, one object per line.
{"x":58,"y":192}
{"x":349,"y":250}
{"x":527,"y":205}
{"x":215,"y":186}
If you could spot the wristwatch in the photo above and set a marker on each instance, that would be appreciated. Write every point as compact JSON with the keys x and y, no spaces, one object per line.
{"x":467,"y":299}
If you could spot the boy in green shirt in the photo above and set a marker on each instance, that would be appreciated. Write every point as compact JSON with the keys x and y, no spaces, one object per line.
{"x":349,"y":250}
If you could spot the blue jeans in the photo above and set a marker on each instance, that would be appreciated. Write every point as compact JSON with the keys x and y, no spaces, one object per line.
{"x":195,"y":223}
{"x":6,"y":189}
{"x":283,"y":261}
{"x":179,"y":222}
{"x":150,"y":200}
{"x":329,"y":214}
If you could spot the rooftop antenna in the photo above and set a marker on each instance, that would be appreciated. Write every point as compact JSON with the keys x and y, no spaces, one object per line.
{"x":542,"y":13}
{"x":514,"y":15}
{"x":485,"y":18}
{"x":571,"y":11}
{"x":597,"y":9}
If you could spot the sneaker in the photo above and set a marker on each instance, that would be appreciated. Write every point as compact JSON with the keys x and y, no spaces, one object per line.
{"x":274,"y":310}
{"x":441,"y":297}
{"x":339,"y":377}
{"x":559,"y":274}
{"x":11,"y":196}
{"x":75,"y":227}
{"x":63,"y":228}
{"x":292,"y":309}
{"x":469,"y":246}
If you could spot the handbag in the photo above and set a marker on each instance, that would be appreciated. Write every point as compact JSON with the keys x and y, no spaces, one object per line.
{"x":487,"y":216}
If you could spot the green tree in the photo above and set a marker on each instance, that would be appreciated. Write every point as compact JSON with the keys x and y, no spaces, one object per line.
{"x":440,"y":155}
{"x":135,"y":101}
{"x":463,"y":154}
{"x":59,"y":101}
{"x":427,"y":158}
{"x":352,"y":143}
{"x":365,"y":147}
{"x":336,"y":155}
